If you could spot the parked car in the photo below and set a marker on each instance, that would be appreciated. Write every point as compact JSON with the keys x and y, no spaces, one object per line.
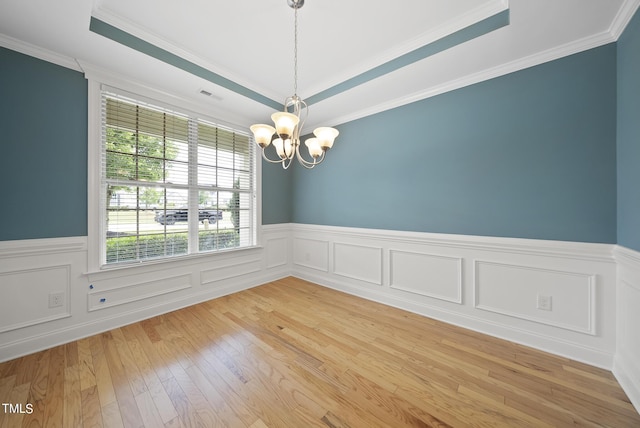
{"x":174,"y":215}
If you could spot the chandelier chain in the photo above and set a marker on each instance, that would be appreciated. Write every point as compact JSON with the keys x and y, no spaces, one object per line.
{"x":295,"y":50}
{"x":288,"y":123}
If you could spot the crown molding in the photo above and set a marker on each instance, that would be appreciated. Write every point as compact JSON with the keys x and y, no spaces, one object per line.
{"x":38,"y":52}
{"x":538,"y":58}
{"x":622,"y":18}
{"x":217,"y":114}
{"x":461,"y":22}
{"x":129,"y":27}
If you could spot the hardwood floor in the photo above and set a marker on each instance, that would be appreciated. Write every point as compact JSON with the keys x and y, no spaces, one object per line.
{"x":293,"y":354}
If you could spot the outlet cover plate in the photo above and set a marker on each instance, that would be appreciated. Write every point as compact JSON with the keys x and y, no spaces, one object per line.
{"x":56,"y":300}
{"x":544,"y":302}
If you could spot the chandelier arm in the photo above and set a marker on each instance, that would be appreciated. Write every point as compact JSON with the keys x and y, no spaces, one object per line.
{"x":264,"y":156}
{"x":310,"y":165}
{"x":286,"y":163}
{"x":307,"y":164}
{"x":303,"y":119}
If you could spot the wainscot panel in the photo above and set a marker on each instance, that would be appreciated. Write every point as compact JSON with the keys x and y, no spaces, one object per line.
{"x":32,"y":271}
{"x":359,"y":262}
{"x":558,"y":298}
{"x":277,"y":252}
{"x":230,"y":269}
{"x":29,"y":292}
{"x":497,"y":286}
{"x":105,"y":294}
{"x":311,"y":253}
{"x":627,"y":361}
{"x":429,"y":275}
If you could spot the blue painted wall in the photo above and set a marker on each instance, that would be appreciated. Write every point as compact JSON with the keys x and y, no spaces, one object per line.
{"x":531,"y":154}
{"x":277,"y":186}
{"x":629,"y":135}
{"x":43,"y":149}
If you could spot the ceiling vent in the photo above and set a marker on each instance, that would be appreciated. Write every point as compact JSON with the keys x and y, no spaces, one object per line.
{"x":210,"y":94}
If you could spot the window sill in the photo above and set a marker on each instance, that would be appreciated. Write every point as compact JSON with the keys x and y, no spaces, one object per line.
{"x":125,"y":269}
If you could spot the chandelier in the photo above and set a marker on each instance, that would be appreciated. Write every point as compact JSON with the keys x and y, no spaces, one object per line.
{"x":285,"y":136}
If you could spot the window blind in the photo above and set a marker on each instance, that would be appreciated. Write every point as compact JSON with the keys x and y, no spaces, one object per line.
{"x":173,"y":183}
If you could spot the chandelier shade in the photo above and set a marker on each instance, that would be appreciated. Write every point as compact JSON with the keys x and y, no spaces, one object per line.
{"x":285,"y":134}
{"x":326,"y":136}
{"x":285,"y":123}
{"x":314,"y":147}
{"x":262,"y":134}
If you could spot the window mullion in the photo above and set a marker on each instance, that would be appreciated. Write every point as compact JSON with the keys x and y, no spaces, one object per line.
{"x":194,"y":220}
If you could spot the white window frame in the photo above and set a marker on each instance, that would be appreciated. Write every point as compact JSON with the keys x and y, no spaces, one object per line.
{"x":96,"y":235}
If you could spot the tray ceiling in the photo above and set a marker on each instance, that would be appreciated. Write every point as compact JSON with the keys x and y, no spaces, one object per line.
{"x":354,"y":58}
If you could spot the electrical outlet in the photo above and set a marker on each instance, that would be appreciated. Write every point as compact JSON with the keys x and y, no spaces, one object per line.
{"x":56,"y":300}
{"x":544,"y":302}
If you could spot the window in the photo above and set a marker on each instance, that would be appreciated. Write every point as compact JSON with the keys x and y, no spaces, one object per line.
{"x":172,"y":183}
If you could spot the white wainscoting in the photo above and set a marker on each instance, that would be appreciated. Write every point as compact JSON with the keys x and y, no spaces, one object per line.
{"x":31,"y":270}
{"x":511,"y":289}
{"x":413,"y":272}
{"x":485,"y":284}
{"x":627,"y":362}
{"x":32,"y":287}
{"x":311,"y":253}
{"x":360,"y":262}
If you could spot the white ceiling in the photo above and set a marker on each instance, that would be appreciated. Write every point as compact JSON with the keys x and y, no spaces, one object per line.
{"x":250,"y":42}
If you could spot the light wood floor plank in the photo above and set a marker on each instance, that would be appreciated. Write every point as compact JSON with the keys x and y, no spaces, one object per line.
{"x":91,"y":410}
{"x":54,"y":397}
{"x":85,"y":361}
{"x":112,"y":416}
{"x":153,"y":383}
{"x":293,"y":354}
{"x":19,"y":395}
{"x":72,"y":412}
{"x":6,"y":387}
{"x":148,"y":411}
{"x":124,"y":396}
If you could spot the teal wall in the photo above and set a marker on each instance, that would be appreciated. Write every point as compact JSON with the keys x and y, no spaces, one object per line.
{"x":277,"y":186}
{"x":629,"y":135}
{"x":531,"y":154}
{"x":43,"y":149}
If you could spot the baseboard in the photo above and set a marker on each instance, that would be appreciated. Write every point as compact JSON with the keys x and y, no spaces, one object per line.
{"x":626,"y":366}
{"x":626,"y":371}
